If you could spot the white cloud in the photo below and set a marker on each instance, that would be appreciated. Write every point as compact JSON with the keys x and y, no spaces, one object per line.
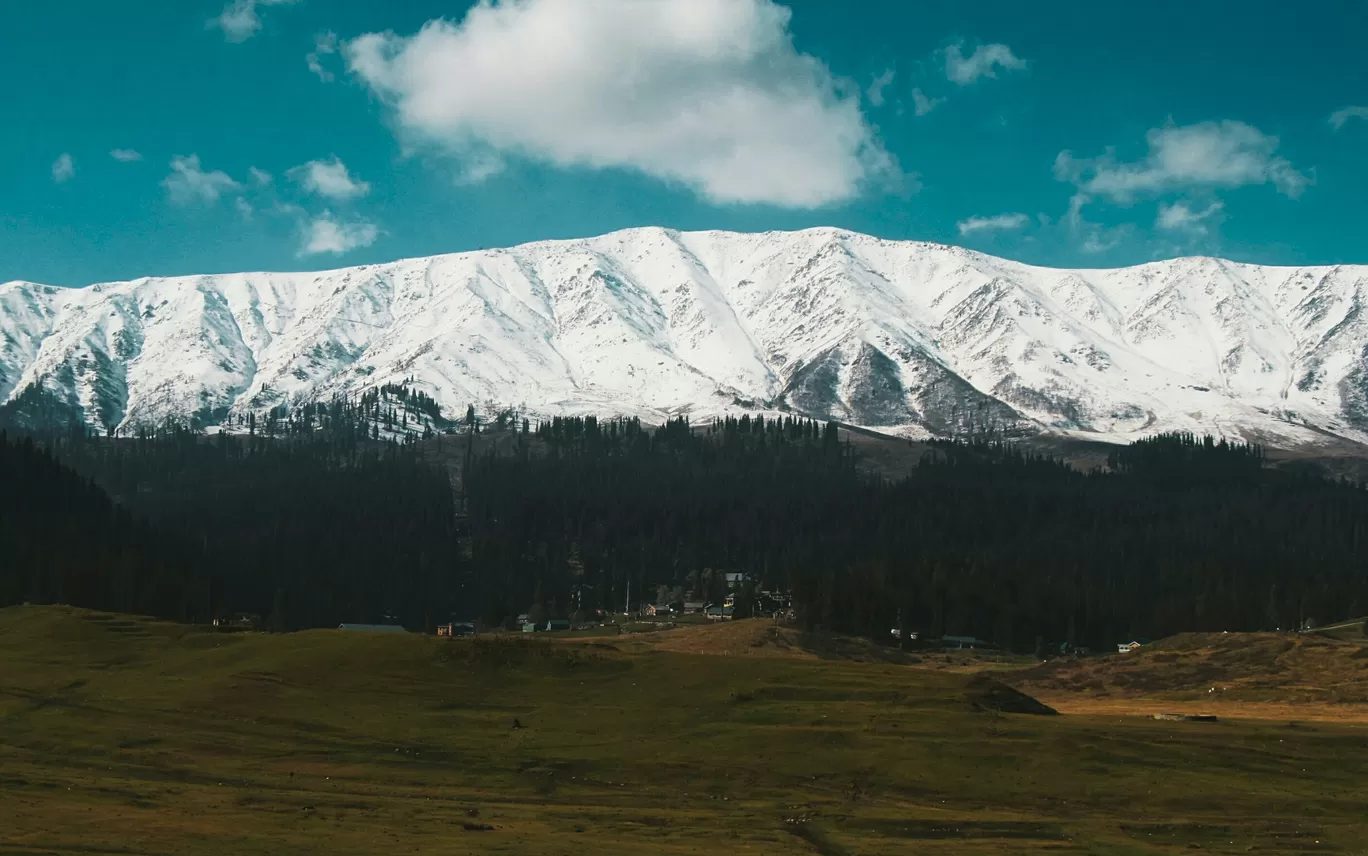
{"x":325,"y":44}
{"x":125,"y":155}
{"x":239,"y":19}
{"x":1093,"y":237}
{"x":996,"y":223}
{"x":188,"y":184}
{"x":1180,"y":217}
{"x":710,"y":94}
{"x":875,"y":93}
{"x":921,"y":104}
{"x":1207,"y":154}
{"x":63,"y":168}
{"x":330,"y":179}
{"x":983,"y":62}
{"x":1339,"y":117}
{"x":325,"y":234}
{"x":1101,"y":240}
{"x":260,"y":176}
{"x":244,"y":208}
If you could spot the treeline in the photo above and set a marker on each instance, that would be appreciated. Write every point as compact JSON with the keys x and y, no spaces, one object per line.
{"x":313,"y":527}
{"x":63,"y":541}
{"x":304,"y":530}
{"x":983,"y":539}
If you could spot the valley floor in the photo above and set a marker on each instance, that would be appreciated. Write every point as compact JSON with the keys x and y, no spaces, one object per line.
{"x":125,"y":735}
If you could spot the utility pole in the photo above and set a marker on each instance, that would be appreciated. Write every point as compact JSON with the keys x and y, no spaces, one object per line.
{"x":629,"y":597}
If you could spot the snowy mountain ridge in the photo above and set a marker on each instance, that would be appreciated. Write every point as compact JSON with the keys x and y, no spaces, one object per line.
{"x":901,"y":336}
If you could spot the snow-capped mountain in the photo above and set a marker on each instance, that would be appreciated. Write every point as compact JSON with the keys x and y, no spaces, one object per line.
{"x":902,"y":336}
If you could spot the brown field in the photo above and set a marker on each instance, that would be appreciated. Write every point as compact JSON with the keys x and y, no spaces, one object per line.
{"x":121,"y":734}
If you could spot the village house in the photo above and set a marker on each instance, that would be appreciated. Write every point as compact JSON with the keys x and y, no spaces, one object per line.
{"x":241,"y":621}
{"x":692,"y":606}
{"x":719,"y":613}
{"x":1127,"y":647}
{"x":456,"y":628}
{"x":551,"y":625}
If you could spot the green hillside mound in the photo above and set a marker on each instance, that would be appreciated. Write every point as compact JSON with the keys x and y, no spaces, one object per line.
{"x":124,"y":734}
{"x":988,"y":693}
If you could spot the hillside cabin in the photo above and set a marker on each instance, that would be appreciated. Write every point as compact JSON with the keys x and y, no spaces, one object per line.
{"x":692,"y":606}
{"x":658,"y":609}
{"x":1127,"y":647}
{"x":456,"y":628}
{"x":376,"y":628}
{"x":719,"y":613}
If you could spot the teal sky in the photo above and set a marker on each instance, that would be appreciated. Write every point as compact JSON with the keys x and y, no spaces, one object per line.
{"x":164,"y":137}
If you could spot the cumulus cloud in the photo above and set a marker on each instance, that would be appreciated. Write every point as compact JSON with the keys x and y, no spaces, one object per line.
{"x":239,"y":19}
{"x":326,"y":234}
{"x":330,"y":179}
{"x":983,"y":62}
{"x":125,"y":155}
{"x":1204,"y":155}
{"x":875,"y":93}
{"x":710,"y":94}
{"x":996,"y":223}
{"x":1339,"y":117}
{"x":63,"y":168}
{"x":188,"y":183}
{"x":921,"y":104}
{"x":1180,"y":217}
{"x":325,"y":44}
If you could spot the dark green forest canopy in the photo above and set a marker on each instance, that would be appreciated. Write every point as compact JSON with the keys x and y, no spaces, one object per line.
{"x":313,"y":523}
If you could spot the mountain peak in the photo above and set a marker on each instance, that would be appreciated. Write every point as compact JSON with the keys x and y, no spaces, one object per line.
{"x":904,"y":336}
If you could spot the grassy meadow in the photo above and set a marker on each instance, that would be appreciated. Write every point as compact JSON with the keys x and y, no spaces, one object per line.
{"x":125,"y":735}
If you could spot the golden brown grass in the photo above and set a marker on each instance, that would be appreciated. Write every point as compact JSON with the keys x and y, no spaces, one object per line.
{"x":1217,"y":668}
{"x":122,"y":735}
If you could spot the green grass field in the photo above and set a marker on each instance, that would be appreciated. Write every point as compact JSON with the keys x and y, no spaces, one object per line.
{"x":121,"y":735}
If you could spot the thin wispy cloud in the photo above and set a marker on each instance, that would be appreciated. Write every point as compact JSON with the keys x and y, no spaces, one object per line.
{"x":325,"y":44}
{"x":1180,"y":216}
{"x":985,"y":61}
{"x":189,"y":184}
{"x":329,"y":179}
{"x":260,"y":177}
{"x":240,"y":19}
{"x":1340,"y":117}
{"x":125,"y":155}
{"x":718,"y":99}
{"x":996,"y":223}
{"x":63,"y":169}
{"x":874,"y":93}
{"x":1101,"y":240}
{"x":922,"y":104}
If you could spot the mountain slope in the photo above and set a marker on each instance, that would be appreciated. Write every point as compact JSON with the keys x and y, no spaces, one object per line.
{"x":903,"y":336}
